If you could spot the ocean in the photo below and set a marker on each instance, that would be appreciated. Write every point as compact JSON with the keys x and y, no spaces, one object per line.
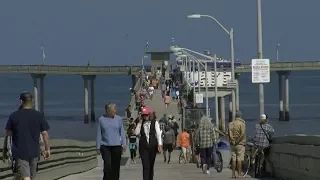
{"x":64,"y":102}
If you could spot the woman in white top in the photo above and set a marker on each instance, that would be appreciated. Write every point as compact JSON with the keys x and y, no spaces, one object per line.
{"x":150,"y":142}
{"x":177,"y":93}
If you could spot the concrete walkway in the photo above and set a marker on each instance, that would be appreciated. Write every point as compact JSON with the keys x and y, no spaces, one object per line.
{"x":173,"y":171}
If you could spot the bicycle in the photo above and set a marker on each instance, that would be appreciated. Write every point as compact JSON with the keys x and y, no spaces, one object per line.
{"x":255,"y":158}
{"x":219,"y":162}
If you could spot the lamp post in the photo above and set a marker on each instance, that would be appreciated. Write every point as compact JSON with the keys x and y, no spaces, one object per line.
{"x":216,"y":90}
{"x":185,"y":54}
{"x":177,"y":49}
{"x":194,"y":82}
{"x":278,"y":46}
{"x":43,"y":54}
{"x":260,"y":54}
{"x":230,"y":34}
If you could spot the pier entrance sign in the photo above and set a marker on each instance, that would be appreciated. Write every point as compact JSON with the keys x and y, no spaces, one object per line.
{"x":260,"y":70}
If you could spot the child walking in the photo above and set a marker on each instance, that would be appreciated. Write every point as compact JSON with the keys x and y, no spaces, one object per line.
{"x":132,"y":145}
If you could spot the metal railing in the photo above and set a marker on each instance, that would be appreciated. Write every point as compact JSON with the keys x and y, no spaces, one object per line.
{"x":285,"y":66}
{"x":59,"y":69}
{"x":63,"y":69}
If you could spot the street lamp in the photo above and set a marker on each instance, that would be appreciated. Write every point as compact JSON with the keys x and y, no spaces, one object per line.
{"x":142,"y":62}
{"x":214,"y":59}
{"x":230,"y":34}
{"x":278,"y":46}
{"x":260,"y":53}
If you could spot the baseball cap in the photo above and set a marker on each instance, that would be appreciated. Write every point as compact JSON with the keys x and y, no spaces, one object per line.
{"x":263,"y":117}
{"x":24,"y":96}
{"x":145,"y":111}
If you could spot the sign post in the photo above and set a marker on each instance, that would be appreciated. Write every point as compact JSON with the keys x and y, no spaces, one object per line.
{"x":260,"y":70}
{"x":199,"y":98}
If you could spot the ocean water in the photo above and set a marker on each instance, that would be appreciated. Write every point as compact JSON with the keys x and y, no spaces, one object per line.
{"x":64,"y":102}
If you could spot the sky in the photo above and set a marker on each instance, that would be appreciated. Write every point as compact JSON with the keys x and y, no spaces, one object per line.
{"x":109,"y":32}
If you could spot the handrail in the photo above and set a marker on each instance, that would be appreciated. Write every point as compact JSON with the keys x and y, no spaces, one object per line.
{"x":65,"y":69}
{"x":65,"y":156}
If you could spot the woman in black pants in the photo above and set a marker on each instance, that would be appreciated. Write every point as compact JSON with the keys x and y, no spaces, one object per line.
{"x":150,"y":142}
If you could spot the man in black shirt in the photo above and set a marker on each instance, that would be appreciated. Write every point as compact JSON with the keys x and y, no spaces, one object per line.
{"x":128,"y":111}
{"x":25,"y":126}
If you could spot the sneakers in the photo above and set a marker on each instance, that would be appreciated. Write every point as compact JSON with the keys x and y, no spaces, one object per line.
{"x":204,"y":169}
{"x":133,"y":161}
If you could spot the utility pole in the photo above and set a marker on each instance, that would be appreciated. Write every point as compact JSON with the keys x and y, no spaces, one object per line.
{"x":260,"y":54}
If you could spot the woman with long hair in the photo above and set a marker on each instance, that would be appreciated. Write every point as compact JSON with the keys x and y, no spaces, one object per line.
{"x":150,"y":142}
{"x":111,"y":141}
{"x":207,"y":139}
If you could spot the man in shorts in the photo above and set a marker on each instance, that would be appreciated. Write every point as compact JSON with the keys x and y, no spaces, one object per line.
{"x":25,"y":126}
{"x":237,"y":138}
{"x":169,"y":137}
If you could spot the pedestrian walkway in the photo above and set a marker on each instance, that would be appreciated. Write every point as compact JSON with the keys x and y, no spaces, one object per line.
{"x":157,"y":105}
{"x":172,"y":171}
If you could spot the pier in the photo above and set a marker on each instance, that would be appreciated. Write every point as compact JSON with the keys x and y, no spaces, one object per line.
{"x":292,"y":157}
{"x":89,"y":73}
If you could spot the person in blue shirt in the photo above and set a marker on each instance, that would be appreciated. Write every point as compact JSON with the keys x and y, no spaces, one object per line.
{"x":111,"y":141}
{"x":24,"y":127}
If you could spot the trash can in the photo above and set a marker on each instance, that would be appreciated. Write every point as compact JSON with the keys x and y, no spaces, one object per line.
{"x":225,"y":150}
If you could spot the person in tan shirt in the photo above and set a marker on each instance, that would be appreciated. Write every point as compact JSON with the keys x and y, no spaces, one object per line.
{"x":237,"y":138}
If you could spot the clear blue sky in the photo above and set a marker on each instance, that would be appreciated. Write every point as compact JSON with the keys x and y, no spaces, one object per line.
{"x":114,"y":32}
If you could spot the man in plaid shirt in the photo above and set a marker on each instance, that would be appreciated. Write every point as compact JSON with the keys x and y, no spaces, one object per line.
{"x":264,"y":131}
{"x":207,"y":139}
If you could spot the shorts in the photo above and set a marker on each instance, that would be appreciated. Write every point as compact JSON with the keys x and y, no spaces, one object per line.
{"x":238,"y":152}
{"x":168,"y":147}
{"x":184,"y":149}
{"x":26,"y":168}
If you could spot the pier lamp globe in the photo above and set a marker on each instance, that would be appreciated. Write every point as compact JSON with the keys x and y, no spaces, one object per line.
{"x":182,"y":55}
{"x":178,"y":53}
{"x":194,"y":16}
{"x":175,"y":49}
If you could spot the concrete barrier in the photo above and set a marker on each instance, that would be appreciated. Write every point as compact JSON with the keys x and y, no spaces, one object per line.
{"x":295,"y":157}
{"x":67,"y":157}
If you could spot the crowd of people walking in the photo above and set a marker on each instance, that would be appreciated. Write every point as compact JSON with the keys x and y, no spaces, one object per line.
{"x":148,"y":135}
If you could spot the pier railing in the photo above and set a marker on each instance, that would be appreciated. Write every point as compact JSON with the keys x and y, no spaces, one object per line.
{"x":285,"y":66}
{"x":295,"y":157}
{"x":59,"y":69}
{"x":67,"y":157}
